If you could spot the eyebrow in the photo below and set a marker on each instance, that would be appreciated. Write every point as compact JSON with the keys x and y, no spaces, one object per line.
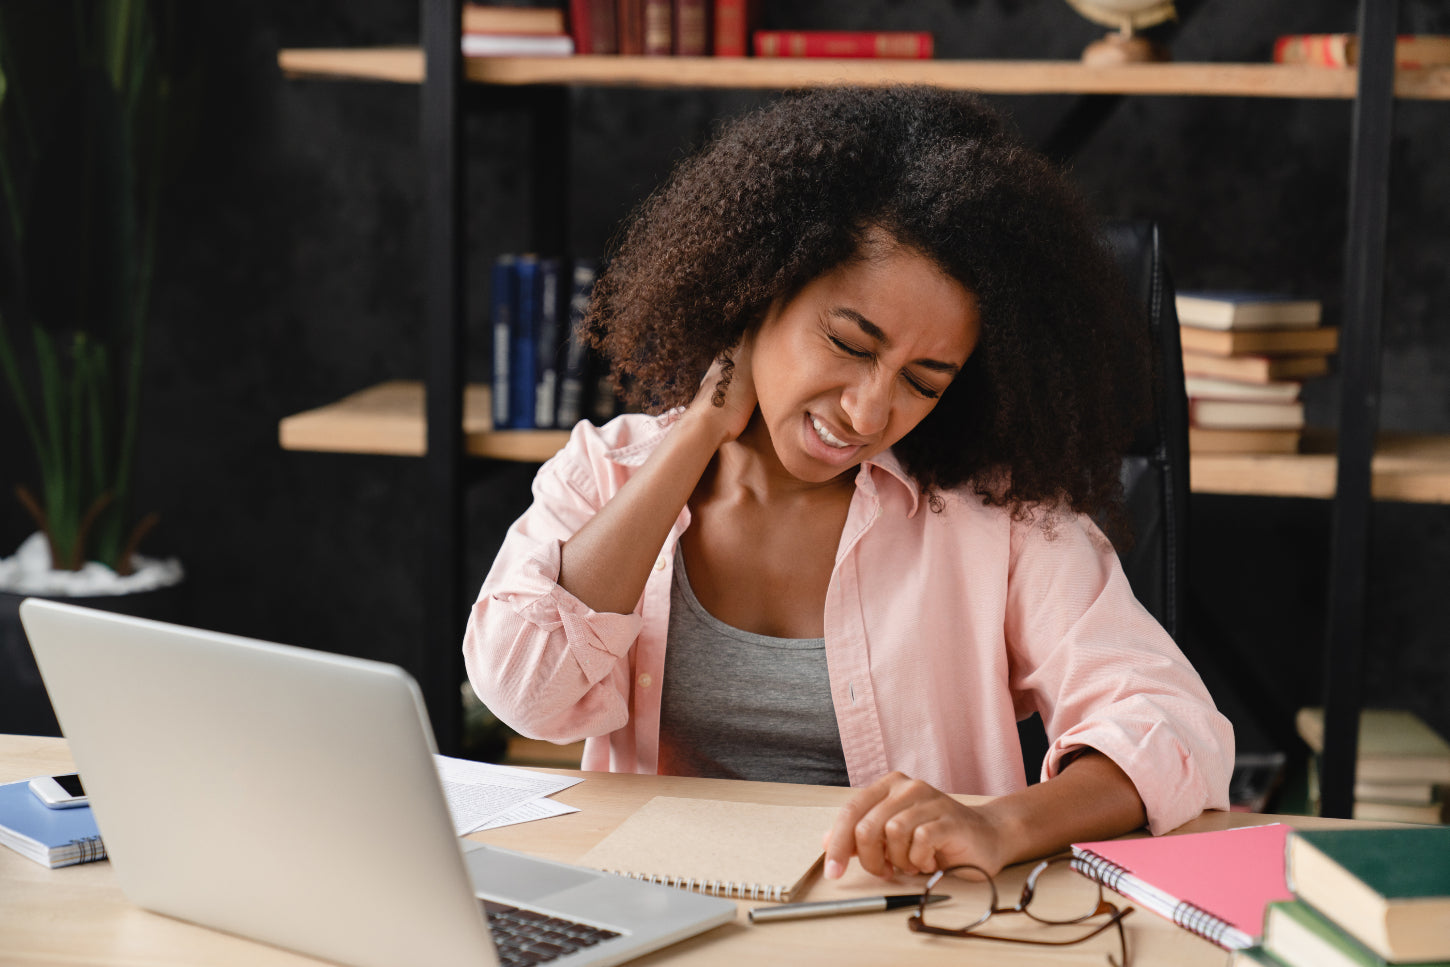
{"x":876,"y":333}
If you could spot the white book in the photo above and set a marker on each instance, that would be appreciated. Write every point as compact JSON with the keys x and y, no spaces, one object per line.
{"x":517,"y":45}
{"x":1208,"y":388}
{"x":1233,"y":309}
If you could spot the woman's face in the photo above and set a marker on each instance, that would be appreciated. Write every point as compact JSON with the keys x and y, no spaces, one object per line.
{"x":859,"y":357}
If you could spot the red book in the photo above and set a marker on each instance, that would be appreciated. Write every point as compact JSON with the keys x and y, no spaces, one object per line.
{"x":1342,"y":50}
{"x":910,"y":45}
{"x":692,"y":28}
{"x":630,"y":24}
{"x":659,"y":36}
{"x":733,"y":21}
{"x":592,"y":25}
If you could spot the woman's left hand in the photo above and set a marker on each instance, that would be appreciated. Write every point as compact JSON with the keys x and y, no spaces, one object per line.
{"x":903,"y":825}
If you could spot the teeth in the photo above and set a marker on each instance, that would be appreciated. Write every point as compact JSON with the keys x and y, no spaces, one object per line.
{"x":826,"y":435}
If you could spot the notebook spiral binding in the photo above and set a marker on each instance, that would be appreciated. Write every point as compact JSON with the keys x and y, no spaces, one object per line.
{"x":730,"y":888}
{"x":1199,"y":921}
{"x":88,"y":849}
{"x":1107,"y":873}
{"x":1187,"y":915}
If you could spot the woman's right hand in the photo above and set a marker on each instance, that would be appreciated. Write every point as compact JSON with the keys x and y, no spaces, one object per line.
{"x":727,"y":407}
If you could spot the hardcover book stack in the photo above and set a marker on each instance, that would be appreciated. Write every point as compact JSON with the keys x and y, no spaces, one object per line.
{"x":498,"y":31}
{"x":720,"y":28}
{"x":1246,"y":356}
{"x":542,"y":377}
{"x":1362,"y":898}
{"x":1401,"y":771}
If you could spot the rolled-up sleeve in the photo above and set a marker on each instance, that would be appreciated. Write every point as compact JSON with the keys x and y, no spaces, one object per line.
{"x":1105,"y":675}
{"x":538,"y":657}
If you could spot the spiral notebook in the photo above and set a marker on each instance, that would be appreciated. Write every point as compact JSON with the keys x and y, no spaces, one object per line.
{"x":749,"y":851}
{"x":1216,"y":884}
{"x":50,"y":837}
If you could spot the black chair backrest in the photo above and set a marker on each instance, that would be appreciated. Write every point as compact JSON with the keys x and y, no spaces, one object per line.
{"x":1155,"y":471}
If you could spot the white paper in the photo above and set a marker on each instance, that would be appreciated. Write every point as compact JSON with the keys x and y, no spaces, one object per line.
{"x":479,"y":793}
{"x":528,"y":812}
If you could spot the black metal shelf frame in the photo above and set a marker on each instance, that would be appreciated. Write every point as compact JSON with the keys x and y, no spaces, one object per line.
{"x":439,"y":661}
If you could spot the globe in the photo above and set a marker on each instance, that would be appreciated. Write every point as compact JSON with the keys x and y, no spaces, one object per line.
{"x":1127,"y":17}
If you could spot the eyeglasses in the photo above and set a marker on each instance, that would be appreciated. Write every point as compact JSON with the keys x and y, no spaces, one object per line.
{"x":1071,"y":903}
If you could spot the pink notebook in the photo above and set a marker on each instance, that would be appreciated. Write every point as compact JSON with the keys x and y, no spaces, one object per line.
{"x":1215,"y":884}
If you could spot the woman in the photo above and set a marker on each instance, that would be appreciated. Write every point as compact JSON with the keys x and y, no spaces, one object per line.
{"x":897,"y":380}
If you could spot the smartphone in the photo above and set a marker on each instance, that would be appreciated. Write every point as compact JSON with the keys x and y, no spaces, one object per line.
{"x":59,"y":792}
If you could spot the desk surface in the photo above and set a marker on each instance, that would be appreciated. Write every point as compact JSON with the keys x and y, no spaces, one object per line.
{"x":78,"y":915}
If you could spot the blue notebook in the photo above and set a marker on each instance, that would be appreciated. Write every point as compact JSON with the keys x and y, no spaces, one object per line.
{"x":51,"y":837}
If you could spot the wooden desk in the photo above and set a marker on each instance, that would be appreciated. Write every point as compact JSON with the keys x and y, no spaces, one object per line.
{"x":78,"y":915}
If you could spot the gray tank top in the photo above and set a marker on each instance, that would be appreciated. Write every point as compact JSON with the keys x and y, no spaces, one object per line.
{"x":738,"y":705}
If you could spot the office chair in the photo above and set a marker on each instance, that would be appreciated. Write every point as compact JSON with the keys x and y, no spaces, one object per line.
{"x":1155,"y":469}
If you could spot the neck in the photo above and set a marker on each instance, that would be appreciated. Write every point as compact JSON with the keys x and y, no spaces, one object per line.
{"x":748,"y":465}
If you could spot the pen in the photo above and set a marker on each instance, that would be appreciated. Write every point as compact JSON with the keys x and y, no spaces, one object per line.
{"x":832,"y":908}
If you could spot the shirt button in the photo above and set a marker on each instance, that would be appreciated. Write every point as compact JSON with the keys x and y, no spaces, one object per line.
{"x":659,"y":563}
{"x":645,"y":681}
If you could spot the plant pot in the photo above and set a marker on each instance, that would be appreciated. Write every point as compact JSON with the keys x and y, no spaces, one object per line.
{"x":24,"y":705}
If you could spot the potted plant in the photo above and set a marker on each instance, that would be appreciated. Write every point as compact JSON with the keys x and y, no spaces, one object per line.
{"x":88,"y":100}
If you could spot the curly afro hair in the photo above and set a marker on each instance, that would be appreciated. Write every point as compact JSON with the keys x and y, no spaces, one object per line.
{"x":1048,"y":401}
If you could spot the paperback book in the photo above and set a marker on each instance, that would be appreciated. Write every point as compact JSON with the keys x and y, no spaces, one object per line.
{"x":50,"y":837}
{"x":1238,"y":309}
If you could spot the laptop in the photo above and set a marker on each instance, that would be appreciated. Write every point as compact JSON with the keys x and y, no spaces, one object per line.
{"x":290,"y":796}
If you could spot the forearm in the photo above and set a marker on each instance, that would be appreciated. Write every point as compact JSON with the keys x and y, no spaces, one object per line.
{"x":606,"y":563}
{"x":1088,"y":800}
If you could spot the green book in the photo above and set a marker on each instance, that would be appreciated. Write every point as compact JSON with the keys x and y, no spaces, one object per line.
{"x":1299,"y":936}
{"x":1255,"y":957}
{"x":1389,"y":888}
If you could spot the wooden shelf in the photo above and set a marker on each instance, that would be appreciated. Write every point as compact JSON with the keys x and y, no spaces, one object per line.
{"x":1414,"y":468}
{"x":388,"y":420}
{"x":405,"y":65}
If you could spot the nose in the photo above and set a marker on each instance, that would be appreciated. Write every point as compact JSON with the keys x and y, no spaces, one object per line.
{"x":867,"y":403}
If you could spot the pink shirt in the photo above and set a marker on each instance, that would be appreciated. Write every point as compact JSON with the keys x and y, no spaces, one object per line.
{"x":942,"y":630}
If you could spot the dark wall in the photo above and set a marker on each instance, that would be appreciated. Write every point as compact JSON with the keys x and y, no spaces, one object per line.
{"x":290,"y":276}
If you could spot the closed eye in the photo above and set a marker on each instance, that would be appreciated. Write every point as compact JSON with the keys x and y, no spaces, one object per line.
{"x":850,"y":350}
{"x":921,"y":389}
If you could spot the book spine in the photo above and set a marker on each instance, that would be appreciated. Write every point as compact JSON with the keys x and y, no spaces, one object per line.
{"x":517,"y":45}
{"x":605,"y":27}
{"x":630,"y":27}
{"x":732,"y":23}
{"x":593,"y":26}
{"x":523,"y":347}
{"x":1412,"y":51}
{"x":487,"y":19}
{"x":576,"y":356}
{"x":1320,"y":50}
{"x":88,"y":849}
{"x":546,"y":383}
{"x":725,"y":888}
{"x":503,"y":300}
{"x":581,"y":26}
{"x":659,"y":35}
{"x":692,"y":28}
{"x":909,"y":45}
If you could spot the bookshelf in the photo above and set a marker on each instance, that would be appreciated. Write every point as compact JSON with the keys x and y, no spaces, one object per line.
{"x":405,"y":65}
{"x":1354,"y":470}
{"x":388,"y":420}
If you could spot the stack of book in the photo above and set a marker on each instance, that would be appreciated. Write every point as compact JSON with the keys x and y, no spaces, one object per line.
{"x":665,"y":28}
{"x":542,"y":376}
{"x":1246,"y":356}
{"x":500,"y":31}
{"x":1401,"y":771}
{"x":1362,"y":898}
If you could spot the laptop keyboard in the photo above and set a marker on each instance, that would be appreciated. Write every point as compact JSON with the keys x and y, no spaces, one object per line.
{"x":524,"y":937}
